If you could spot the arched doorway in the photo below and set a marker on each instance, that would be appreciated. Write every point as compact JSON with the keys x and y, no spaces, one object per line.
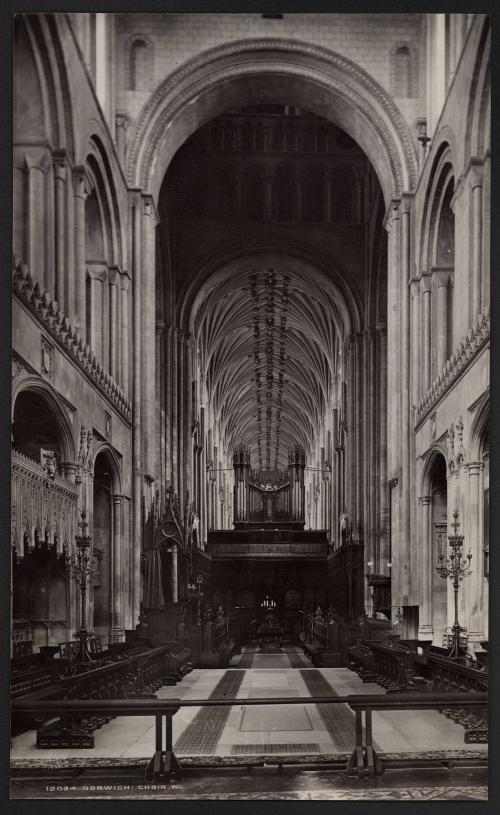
{"x":44,"y":507}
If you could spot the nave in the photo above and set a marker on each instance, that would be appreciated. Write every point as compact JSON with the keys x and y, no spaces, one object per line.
{"x":250,"y":400}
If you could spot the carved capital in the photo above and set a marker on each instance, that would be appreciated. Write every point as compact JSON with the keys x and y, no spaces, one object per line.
{"x":97,"y":271}
{"x":415,"y":287}
{"x":392,"y":215}
{"x":114,"y":275}
{"x":475,"y":173}
{"x":425,"y":283}
{"x":149,"y":209}
{"x":60,"y":164}
{"x":82,"y":182}
{"x":440,"y":278}
{"x":122,"y":120}
{"x":124,"y":280}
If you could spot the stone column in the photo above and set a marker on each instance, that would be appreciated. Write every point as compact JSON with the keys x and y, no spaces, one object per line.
{"x":188,"y":416}
{"x":114,"y":349}
{"x":181,"y":473}
{"x":124,"y":332}
{"x":474,"y":542}
{"x":383,"y":508}
{"x":148,"y":332}
{"x":117,"y":570}
{"x":97,"y":274}
{"x":175,"y":589}
{"x":364,"y":460}
{"x":392,"y":225}
{"x":415,"y":338}
{"x":405,"y":450}
{"x":175,"y":380}
{"x":36,"y":218}
{"x":60,"y":225}
{"x":477,"y":241}
{"x":82,"y":187}
{"x":167,"y":420}
{"x":160,"y":406}
{"x":425,"y":288}
{"x":350,"y":456}
{"x":425,"y":630}
{"x":358,"y":422}
{"x":372,"y":461}
{"x":440,"y":280}
{"x":137,"y":394}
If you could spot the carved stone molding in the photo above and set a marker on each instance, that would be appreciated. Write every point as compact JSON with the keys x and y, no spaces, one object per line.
{"x":152,"y":120}
{"x":47,"y":311}
{"x":456,"y":450}
{"x":477,"y":338}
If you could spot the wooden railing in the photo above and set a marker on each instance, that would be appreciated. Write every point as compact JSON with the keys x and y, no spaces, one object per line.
{"x":134,"y":672}
{"x":398,"y":667}
{"x":364,"y":761}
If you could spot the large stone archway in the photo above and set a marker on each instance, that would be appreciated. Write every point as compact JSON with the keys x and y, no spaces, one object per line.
{"x":334,"y":88}
{"x":265,"y":71}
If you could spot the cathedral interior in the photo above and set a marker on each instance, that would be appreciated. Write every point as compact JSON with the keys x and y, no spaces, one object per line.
{"x":250,"y":392}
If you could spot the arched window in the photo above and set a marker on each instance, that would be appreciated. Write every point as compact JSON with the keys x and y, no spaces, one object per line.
{"x":34,"y":431}
{"x":404,"y":71}
{"x":95,"y":290}
{"x":445,"y":249}
{"x":139,"y":64}
{"x":442,"y":265}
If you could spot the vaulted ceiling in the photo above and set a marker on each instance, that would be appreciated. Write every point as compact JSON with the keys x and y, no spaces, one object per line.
{"x":268,"y":347}
{"x":295,"y":199}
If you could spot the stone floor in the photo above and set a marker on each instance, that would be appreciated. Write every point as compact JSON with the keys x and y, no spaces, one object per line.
{"x":285,"y":730}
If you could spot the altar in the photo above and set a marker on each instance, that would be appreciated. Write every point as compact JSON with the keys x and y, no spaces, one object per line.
{"x":270,"y":630}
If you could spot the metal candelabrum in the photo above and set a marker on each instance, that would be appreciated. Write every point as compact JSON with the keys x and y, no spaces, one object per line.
{"x":82,"y":566}
{"x":455,"y":567}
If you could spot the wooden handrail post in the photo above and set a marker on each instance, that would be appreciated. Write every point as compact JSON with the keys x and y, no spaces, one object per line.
{"x":168,"y":733}
{"x":159,"y":733}
{"x":164,"y":763}
{"x":368,"y":728}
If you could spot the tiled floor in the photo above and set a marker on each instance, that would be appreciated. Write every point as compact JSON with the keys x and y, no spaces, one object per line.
{"x":269,"y":676}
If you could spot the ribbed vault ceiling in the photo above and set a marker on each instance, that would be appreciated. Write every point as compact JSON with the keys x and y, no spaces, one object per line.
{"x":268,"y":343}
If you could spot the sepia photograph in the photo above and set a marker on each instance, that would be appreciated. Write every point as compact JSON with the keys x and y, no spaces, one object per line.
{"x":250,"y":406}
